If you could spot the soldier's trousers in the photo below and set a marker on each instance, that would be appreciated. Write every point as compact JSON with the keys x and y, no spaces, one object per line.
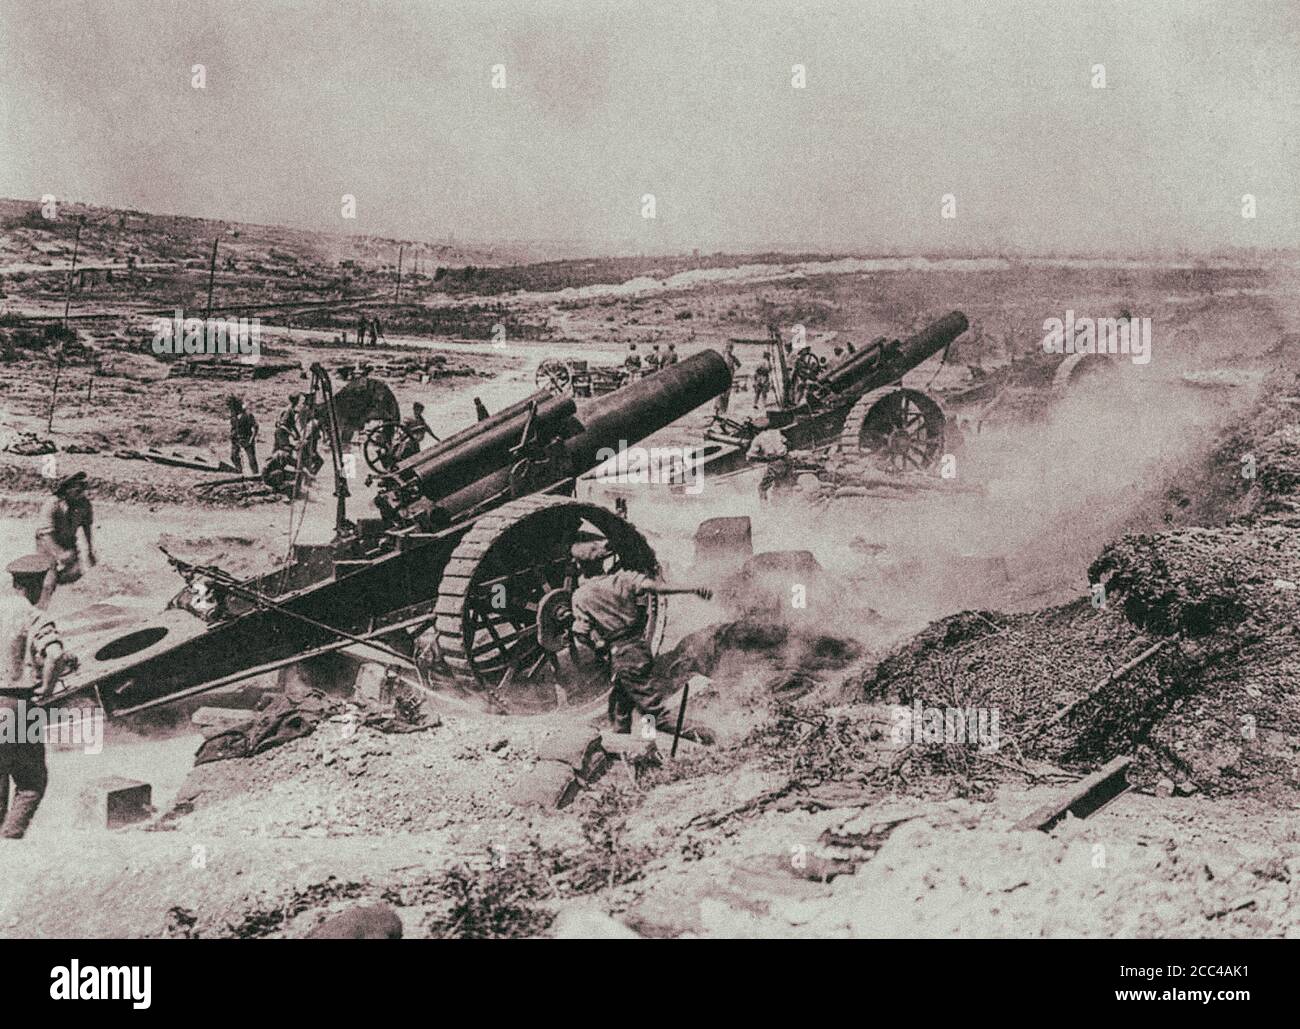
{"x":249,"y":448}
{"x":778,"y":478}
{"x":67,"y":560}
{"x":24,"y":764}
{"x":632,"y":665}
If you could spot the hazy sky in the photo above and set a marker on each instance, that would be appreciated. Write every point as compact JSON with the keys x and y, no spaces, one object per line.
{"x":990,"y":101}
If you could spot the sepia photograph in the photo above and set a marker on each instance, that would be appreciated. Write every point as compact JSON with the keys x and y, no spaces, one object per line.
{"x":566,"y":469}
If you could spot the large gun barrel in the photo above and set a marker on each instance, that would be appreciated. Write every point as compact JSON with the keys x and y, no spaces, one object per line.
{"x":410,"y":468}
{"x":613,"y":421}
{"x":883,"y":363}
{"x":488,"y":445}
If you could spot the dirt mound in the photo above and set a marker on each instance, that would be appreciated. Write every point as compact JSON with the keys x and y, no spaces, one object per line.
{"x":1214,"y":708}
{"x":1192,"y":583}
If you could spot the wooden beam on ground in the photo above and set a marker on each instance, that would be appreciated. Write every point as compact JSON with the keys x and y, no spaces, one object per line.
{"x":1119,"y":673}
{"x":1086,"y":797}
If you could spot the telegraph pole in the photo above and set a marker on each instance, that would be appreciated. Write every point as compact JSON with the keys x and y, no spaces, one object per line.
{"x":67,"y":302}
{"x":212,"y":274}
{"x":400,"y":251}
{"x":67,"y":288}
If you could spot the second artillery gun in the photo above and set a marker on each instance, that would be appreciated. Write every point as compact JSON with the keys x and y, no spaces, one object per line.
{"x":858,"y":404}
{"x":469,"y":550}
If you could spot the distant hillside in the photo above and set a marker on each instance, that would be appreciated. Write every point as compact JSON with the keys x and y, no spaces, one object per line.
{"x":111,"y":236}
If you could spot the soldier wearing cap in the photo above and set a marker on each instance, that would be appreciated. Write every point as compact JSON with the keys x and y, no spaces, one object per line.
{"x":609,"y":617}
{"x":68,"y":512}
{"x":31,"y":657}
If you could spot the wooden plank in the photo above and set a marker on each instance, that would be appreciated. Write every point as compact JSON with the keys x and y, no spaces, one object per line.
{"x":1088,"y":796}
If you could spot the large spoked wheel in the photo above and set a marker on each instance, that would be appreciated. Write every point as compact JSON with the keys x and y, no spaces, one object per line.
{"x":903,"y":429}
{"x":553,"y":374}
{"x":502,"y":616}
{"x":386,"y":445}
{"x":806,"y":366}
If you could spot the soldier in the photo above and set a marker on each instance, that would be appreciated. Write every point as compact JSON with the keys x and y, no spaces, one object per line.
{"x":609,"y":618}
{"x":724,"y":398}
{"x":632,"y":363}
{"x":654,"y":360}
{"x":416,"y":429}
{"x":281,"y":471}
{"x":68,"y":512}
{"x":287,"y":425}
{"x":243,"y":435}
{"x":31,"y":659}
{"x":779,"y":475}
{"x":762,"y":382}
{"x":671,"y":356}
{"x":480,"y":411}
{"x":800,"y":374}
{"x":361,"y":331}
{"x":309,"y":440}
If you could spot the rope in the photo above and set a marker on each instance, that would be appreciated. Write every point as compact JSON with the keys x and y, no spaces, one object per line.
{"x":302,"y":517}
{"x":939,"y":367}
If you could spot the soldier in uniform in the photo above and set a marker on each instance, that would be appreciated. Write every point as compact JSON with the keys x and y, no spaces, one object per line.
{"x":62,"y":517}
{"x":632,"y":363}
{"x":780,"y":474}
{"x":243,"y":435}
{"x":671,"y":356}
{"x":416,"y":429}
{"x":653,"y":360}
{"x":31,"y":658}
{"x":733,"y":364}
{"x":480,"y":411}
{"x":608,"y":617}
{"x":281,"y":471}
{"x":762,"y":382}
{"x":287,"y":425}
{"x":310,"y":437}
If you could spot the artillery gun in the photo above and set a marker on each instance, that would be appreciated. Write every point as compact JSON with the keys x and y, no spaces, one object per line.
{"x":470,"y":545}
{"x":857,"y":403}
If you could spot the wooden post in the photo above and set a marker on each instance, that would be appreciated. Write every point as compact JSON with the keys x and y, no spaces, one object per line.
{"x":212,"y":273}
{"x":400,"y":251}
{"x":67,"y":288}
{"x":54,"y":395}
{"x":681,"y":718}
